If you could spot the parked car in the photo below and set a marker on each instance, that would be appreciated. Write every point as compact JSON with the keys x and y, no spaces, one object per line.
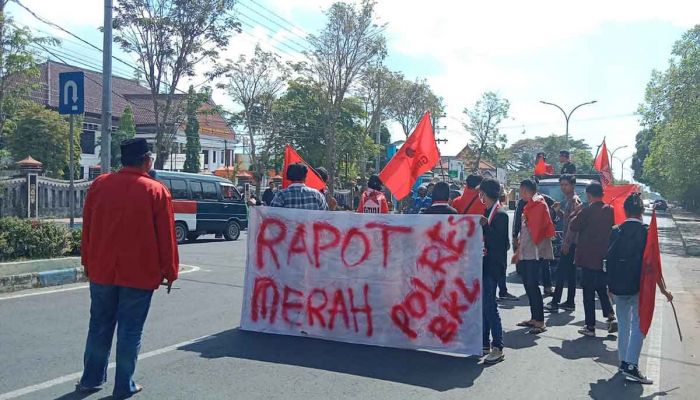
{"x":660,"y":205}
{"x":204,"y":204}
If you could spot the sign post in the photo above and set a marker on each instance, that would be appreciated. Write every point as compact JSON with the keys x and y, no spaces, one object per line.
{"x":71,"y":89}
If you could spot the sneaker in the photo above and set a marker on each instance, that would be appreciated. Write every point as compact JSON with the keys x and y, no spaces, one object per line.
{"x":487,"y":350}
{"x":623,"y":366}
{"x":495,"y":356}
{"x":632,"y":374}
{"x":552,"y":307}
{"x":508,"y":297}
{"x":548,"y":293}
{"x":612,"y":326}
{"x":586,"y":331}
{"x":567,"y":307}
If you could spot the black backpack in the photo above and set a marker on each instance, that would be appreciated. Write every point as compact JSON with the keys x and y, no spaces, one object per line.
{"x":624,"y":260}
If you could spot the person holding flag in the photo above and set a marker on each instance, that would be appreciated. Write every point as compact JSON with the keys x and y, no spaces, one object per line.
{"x":496,"y":244}
{"x":298,"y":194}
{"x":602,"y":165}
{"x":469,"y":202}
{"x":541,"y":166}
{"x":624,"y":265}
{"x":372,"y":200}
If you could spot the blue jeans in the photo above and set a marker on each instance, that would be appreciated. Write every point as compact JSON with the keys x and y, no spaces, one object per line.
{"x":492,"y":319}
{"x":123,"y":307}
{"x":630,"y":338}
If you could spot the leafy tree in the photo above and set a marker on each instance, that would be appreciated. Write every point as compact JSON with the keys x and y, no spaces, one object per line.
{"x":348,"y":44}
{"x":484,"y":118}
{"x":127,"y":130}
{"x":643,"y":141}
{"x":169,"y":38}
{"x":255,"y":83}
{"x":521,"y":155}
{"x":43,"y":134}
{"x":671,"y":114}
{"x":409,"y":100}
{"x":192,"y":148}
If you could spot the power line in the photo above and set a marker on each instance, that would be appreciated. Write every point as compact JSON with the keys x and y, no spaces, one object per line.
{"x":281,"y":18}
{"x":303,"y":46}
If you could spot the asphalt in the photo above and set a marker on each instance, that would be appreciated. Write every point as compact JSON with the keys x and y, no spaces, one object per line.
{"x":193,"y":349}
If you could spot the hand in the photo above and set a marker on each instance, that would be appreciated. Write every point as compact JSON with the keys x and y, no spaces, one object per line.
{"x":483,"y":221}
{"x":556,"y":206}
{"x":669,"y":295}
{"x":565,"y":249}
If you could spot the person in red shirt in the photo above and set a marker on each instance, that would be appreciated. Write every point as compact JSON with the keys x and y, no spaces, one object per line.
{"x":541,"y":166}
{"x":128,"y":249}
{"x":373,"y":200}
{"x":469,"y":202}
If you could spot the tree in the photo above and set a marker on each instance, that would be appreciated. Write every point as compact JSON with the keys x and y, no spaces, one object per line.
{"x":643,"y":142}
{"x":484,"y":118}
{"x":19,"y":70}
{"x":521,"y":155}
{"x":348,"y":43}
{"x":43,"y":134}
{"x":255,"y":83}
{"x":192,"y":148}
{"x":169,"y":38}
{"x":671,"y":116}
{"x":409,"y":100}
{"x":127,"y":130}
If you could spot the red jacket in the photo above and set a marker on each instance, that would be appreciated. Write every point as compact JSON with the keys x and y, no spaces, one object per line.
{"x":373,"y":202}
{"x":469,"y":203}
{"x":129,"y":231}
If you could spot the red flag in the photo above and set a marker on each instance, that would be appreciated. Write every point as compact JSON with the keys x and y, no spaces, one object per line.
{"x":417,"y":156}
{"x":312,"y":178}
{"x":538,"y":219}
{"x":615,"y":195}
{"x":602,"y":165}
{"x":651,"y":273}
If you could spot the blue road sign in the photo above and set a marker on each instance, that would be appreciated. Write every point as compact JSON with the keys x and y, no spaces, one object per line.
{"x":71,"y":93}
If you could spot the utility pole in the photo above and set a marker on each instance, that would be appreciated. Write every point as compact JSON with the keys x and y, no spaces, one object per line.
{"x":106,"y":142}
{"x":71,"y":169}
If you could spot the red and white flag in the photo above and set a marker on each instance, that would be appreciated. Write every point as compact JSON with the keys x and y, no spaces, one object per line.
{"x":602,"y":165}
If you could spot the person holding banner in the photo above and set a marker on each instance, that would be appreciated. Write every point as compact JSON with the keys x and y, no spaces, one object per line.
{"x":496,"y":245}
{"x":534,"y":250}
{"x":593,"y":225}
{"x":624,"y":269}
{"x":298,"y":195}
{"x":441,"y":196}
{"x":372,"y":200}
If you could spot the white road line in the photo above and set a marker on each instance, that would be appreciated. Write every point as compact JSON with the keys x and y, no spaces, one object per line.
{"x":653,"y":364}
{"x":75,"y":376}
{"x":187,"y":270}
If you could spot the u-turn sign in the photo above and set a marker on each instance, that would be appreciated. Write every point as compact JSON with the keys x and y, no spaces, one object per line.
{"x":71,"y":97}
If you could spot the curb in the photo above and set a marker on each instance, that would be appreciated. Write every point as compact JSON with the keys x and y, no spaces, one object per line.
{"x":33,"y":280}
{"x":690,"y":250}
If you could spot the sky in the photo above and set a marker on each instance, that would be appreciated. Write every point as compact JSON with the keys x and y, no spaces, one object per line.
{"x":561,"y":52}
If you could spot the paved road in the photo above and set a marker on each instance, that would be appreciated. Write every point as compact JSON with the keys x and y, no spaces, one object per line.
{"x":192,"y":348}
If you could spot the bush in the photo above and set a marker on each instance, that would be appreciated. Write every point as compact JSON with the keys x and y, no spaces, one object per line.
{"x":22,"y":239}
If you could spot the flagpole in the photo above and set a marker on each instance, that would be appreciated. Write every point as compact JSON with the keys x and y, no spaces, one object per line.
{"x":673,"y":307}
{"x":598,"y":150}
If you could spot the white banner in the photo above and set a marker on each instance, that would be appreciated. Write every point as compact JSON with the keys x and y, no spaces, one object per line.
{"x":409,"y":281}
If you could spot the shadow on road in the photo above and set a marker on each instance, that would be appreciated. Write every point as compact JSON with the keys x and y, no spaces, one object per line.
{"x":617,"y":388}
{"x":588,"y":347}
{"x":430,"y":370}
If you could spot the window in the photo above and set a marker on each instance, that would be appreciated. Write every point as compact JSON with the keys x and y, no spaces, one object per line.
{"x":209,"y":190}
{"x":229,"y":193}
{"x":196,"y":189}
{"x":213,"y":155}
{"x":206,"y":158}
{"x":87,"y":142}
{"x":178,"y":189}
{"x":166,"y":183}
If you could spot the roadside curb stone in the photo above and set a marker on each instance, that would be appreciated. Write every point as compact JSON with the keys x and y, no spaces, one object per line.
{"x":689,"y":227}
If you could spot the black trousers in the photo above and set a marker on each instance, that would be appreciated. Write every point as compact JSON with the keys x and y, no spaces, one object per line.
{"x":566,"y":274}
{"x":546,"y":275}
{"x":595,"y":281}
{"x":531,"y":271}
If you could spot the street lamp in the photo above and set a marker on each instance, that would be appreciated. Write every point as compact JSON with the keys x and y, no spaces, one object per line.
{"x":622,"y":166}
{"x":568,"y":116}
{"x":612,"y":155}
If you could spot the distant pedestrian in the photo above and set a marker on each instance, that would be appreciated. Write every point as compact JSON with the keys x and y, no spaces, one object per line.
{"x":298,"y":195}
{"x":373,"y":200}
{"x":593,"y":225}
{"x":420,"y":202}
{"x":496,"y":244}
{"x":567,"y":167}
{"x":128,"y":249}
{"x":534,"y":250}
{"x":469,"y":202}
{"x":330,"y":200}
{"x":269,"y":193}
{"x":441,"y":196}
{"x":566,"y":272}
{"x":624,"y":269}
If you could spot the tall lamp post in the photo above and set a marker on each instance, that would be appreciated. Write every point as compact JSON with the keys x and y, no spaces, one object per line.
{"x":622,"y":166}
{"x":568,"y":116}
{"x":612,"y":156}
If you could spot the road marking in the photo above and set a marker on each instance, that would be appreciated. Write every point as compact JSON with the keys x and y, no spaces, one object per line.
{"x":75,"y":376}
{"x":653,"y":364}
{"x":187,"y":270}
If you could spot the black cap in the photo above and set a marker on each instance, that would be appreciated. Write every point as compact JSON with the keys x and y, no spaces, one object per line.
{"x":134,"y":148}
{"x":564,"y":153}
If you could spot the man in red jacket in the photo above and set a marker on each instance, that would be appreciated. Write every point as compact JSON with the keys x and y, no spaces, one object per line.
{"x":128,"y":249}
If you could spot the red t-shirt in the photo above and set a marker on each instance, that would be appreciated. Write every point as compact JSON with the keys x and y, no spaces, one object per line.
{"x":373,"y":202}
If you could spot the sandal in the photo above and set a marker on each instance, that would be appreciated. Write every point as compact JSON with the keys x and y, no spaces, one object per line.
{"x":526,"y":324}
{"x":536,"y":330}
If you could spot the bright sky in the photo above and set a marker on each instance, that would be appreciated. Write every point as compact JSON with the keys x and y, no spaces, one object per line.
{"x":561,"y":52}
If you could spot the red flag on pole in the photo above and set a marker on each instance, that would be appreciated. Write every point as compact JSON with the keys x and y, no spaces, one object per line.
{"x":602,"y":165}
{"x":651,"y":273}
{"x":312,"y":178}
{"x":417,"y":156}
{"x":615,"y":195}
